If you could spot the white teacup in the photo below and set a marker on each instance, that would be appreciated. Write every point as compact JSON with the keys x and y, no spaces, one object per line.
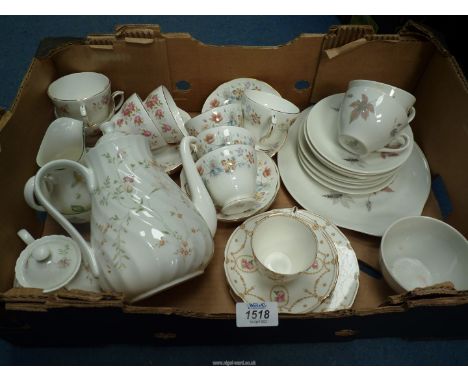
{"x":165,"y":114}
{"x":227,"y":115}
{"x":263,"y":112}
{"x":229,"y":173}
{"x":283,"y":246}
{"x":217,"y":137}
{"x":66,"y":190}
{"x":403,"y":97}
{"x":134,"y":119}
{"x":370,"y":120}
{"x":85,"y":96}
{"x":64,"y":139}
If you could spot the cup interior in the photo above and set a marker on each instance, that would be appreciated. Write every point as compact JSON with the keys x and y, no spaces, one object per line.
{"x":272,"y":101}
{"x":78,"y":86}
{"x":226,"y":135}
{"x":420,"y":251}
{"x":64,"y":139}
{"x":218,"y":153}
{"x":284,"y":244}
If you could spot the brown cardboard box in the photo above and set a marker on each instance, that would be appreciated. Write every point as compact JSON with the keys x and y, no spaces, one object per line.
{"x":138,"y":58}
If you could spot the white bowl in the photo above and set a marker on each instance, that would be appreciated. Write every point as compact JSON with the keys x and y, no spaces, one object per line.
{"x":419,"y":251}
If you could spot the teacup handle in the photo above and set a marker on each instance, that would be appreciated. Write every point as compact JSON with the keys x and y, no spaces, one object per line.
{"x":405,"y":145}
{"x":411,"y":114}
{"x":198,"y":192}
{"x":84,"y":114}
{"x":118,"y":105}
{"x":273,"y":122}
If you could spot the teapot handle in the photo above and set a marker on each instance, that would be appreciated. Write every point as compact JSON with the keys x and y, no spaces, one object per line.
{"x":199,"y":194}
{"x":57,"y":216}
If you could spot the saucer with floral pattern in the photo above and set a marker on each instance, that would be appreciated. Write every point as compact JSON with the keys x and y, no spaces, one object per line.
{"x":268,"y":184}
{"x":301,"y":295}
{"x":232,"y":92}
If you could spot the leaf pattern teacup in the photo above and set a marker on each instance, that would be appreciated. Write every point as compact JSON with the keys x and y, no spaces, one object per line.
{"x":403,"y":97}
{"x":369,"y":120}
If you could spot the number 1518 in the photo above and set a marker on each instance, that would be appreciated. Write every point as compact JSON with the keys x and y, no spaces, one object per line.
{"x":254,"y":314}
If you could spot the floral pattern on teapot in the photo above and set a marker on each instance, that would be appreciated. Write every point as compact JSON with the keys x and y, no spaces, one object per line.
{"x":122,"y":193}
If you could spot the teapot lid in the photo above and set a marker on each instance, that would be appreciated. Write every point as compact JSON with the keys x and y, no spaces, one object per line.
{"x":48,"y":263}
{"x":109,"y":132}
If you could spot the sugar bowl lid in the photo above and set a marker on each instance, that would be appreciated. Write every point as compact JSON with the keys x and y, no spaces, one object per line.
{"x":48,"y":263}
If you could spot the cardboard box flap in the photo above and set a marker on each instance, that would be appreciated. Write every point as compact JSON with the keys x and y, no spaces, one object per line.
{"x":50,"y":45}
{"x":438,"y":290}
{"x":339,"y":35}
{"x":441,"y":129}
{"x":175,"y":58}
{"x":421,"y":31}
{"x":138,"y":30}
{"x":61,"y":298}
{"x":5,"y":116}
{"x":101,"y":41}
{"x":357,"y":53}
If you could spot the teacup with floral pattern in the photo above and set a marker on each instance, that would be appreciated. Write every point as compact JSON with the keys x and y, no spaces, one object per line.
{"x":229,"y":174}
{"x":85,"y":96}
{"x":165,"y":114}
{"x":133,"y":119}
{"x":283,"y":246}
{"x":217,"y":137}
{"x":227,"y":115}
{"x":264,"y":112}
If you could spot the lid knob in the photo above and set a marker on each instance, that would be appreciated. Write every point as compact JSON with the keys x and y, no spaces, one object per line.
{"x":41,"y":253}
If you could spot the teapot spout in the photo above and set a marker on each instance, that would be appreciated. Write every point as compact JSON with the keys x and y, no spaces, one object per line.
{"x":57,"y":216}
{"x":199,"y":194}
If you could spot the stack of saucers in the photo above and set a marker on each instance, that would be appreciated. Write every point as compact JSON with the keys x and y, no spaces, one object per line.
{"x":327,"y":162}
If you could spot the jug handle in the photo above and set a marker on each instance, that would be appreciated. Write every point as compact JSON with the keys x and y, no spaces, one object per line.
{"x":57,"y":216}
{"x":199,"y":194}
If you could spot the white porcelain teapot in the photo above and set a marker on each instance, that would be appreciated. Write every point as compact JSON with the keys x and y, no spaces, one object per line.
{"x":146,"y":235}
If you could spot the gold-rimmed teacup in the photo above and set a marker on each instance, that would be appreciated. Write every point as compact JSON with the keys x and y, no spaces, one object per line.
{"x":283,"y":246}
